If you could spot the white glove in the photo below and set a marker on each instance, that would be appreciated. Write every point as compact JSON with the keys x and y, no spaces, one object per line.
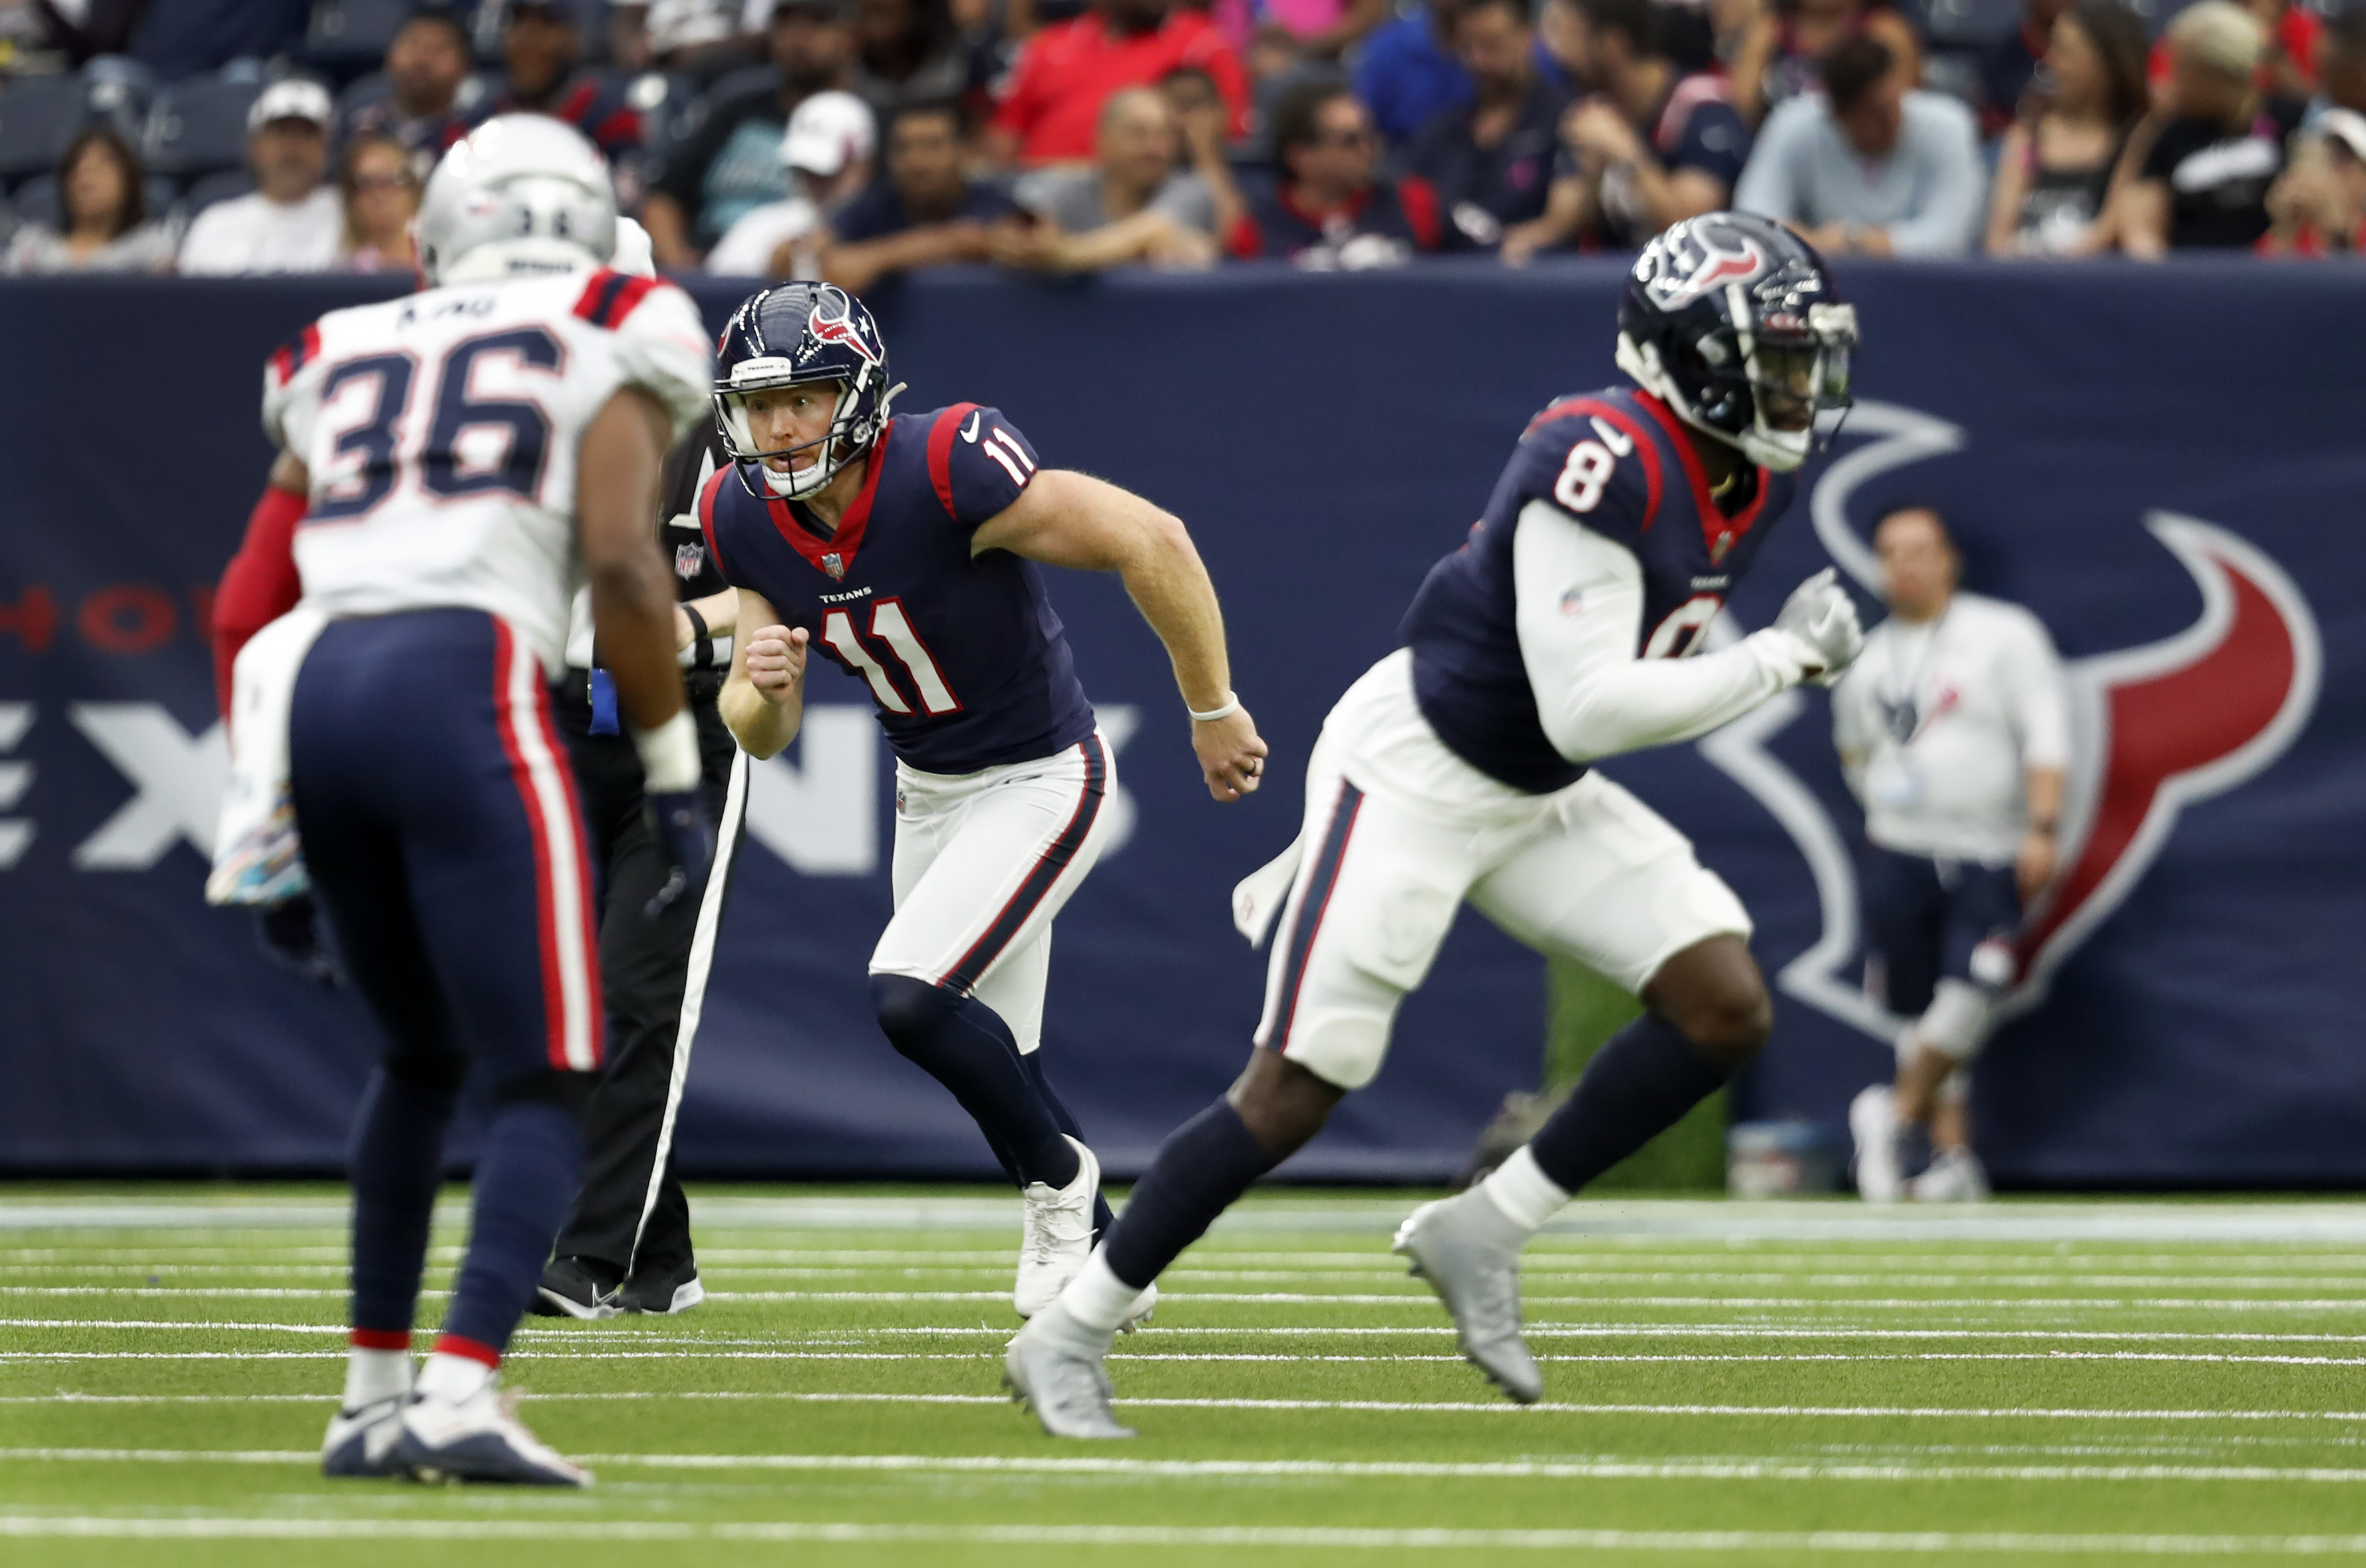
{"x":1822,"y":617}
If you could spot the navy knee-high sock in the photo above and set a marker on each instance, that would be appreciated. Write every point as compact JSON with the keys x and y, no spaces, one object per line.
{"x":965,"y":1046}
{"x":1200,"y":1170}
{"x":1033,"y":1061}
{"x":526,"y":1178}
{"x":396,"y":1162}
{"x":1641,"y":1081}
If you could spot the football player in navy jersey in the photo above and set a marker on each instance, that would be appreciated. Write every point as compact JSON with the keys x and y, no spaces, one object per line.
{"x":905,"y":548}
{"x":1568,"y":628}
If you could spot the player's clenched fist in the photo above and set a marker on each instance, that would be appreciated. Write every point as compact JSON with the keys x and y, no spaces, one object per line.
{"x":1231,"y":758}
{"x":776,"y":661}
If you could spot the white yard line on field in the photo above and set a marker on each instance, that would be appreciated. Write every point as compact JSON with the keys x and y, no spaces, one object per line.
{"x":536,"y":1339}
{"x":1238,"y":1537}
{"x":989,"y":1356}
{"x":1412,"y":1295}
{"x":1596,"y":1469}
{"x":1384,"y":1406}
{"x":2240,"y":1223}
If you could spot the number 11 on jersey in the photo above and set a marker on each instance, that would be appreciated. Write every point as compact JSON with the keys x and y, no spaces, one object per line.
{"x":889,"y":624}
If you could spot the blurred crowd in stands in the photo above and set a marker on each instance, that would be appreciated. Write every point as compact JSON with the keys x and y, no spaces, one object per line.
{"x":856,"y":138}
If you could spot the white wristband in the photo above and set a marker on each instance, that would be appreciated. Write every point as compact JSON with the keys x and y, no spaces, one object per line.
{"x":669,"y":755}
{"x":1232,"y":706}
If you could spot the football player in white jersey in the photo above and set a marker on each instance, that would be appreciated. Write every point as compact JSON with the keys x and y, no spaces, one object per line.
{"x":466,"y":456}
{"x":1953,"y":731}
{"x":1569,"y":626}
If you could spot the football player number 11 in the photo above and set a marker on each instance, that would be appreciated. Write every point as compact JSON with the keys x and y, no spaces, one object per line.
{"x":891,"y":627}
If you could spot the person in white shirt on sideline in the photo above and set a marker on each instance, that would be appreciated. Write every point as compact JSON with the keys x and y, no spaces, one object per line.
{"x":1953,"y":732}
{"x":829,"y":150}
{"x":293,"y":221}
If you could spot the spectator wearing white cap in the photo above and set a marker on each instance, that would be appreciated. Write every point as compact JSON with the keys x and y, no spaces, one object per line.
{"x":829,"y":151}
{"x":2318,"y":207}
{"x":292,"y":222}
{"x":2203,"y":181}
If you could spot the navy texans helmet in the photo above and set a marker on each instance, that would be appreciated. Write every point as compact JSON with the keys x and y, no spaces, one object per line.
{"x":802,"y":334}
{"x":1732,"y":320}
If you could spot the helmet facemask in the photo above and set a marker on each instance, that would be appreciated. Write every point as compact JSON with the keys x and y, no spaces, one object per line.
{"x":1777,"y":391}
{"x":845,"y":440}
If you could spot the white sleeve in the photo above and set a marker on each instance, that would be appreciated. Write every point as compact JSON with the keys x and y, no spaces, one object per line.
{"x":205,"y":247}
{"x":2040,"y":704}
{"x":662,"y":348}
{"x":1580,"y":611}
{"x":1852,"y":737}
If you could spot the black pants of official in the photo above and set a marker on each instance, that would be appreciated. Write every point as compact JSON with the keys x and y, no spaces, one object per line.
{"x":631,"y":1217}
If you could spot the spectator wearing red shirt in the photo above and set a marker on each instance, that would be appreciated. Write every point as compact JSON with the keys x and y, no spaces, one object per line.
{"x":1324,"y":210}
{"x":1069,"y":70}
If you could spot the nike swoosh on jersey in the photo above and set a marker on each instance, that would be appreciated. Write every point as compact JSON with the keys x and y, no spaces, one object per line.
{"x":970,"y":434}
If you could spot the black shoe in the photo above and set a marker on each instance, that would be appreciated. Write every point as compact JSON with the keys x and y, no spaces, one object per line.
{"x":576,"y":1287}
{"x":663,"y":1290}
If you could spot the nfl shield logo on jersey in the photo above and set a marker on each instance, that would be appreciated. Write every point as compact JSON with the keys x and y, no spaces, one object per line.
{"x":832,"y":564}
{"x":687,"y":560}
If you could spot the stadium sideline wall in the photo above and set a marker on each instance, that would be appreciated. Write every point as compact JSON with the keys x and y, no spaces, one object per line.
{"x":2165,"y":463}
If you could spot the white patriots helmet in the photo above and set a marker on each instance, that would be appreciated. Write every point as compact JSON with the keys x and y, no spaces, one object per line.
{"x":522,"y":194}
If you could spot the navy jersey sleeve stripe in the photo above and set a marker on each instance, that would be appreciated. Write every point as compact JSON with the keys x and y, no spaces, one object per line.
{"x":610,"y":297}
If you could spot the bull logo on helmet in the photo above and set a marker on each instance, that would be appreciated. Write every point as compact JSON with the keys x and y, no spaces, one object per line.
{"x":832,"y":321}
{"x":1682,"y":265}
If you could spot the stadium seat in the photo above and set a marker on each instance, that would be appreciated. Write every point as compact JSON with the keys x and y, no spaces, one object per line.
{"x":200,"y":127}
{"x":216,"y":187}
{"x":1955,"y":73}
{"x":670,"y":105}
{"x":119,"y":87}
{"x":359,"y":91}
{"x":745,"y":79}
{"x":35,"y":201}
{"x":38,"y":115}
{"x":1968,"y":24}
{"x":346,"y":39}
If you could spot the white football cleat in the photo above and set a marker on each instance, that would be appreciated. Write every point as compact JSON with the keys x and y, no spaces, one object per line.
{"x":1470,"y":1253}
{"x":1145,"y":1306}
{"x":477,"y":1439}
{"x":361,"y":1441}
{"x":1054,"y":1367}
{"x":1953,"y":1176}
{"x":1873,"y":1124}
{"x":1059,"y":1235}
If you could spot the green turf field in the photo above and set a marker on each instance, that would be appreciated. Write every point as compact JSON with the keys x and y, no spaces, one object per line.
{"x":1810,"y":1383}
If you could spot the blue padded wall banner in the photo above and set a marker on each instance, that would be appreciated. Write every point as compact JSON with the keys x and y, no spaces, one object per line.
{"x":2163,"y":463}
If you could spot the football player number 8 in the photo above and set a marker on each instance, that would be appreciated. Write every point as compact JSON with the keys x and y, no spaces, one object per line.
{"x":889,"y":624}
{"x":1583,"y":477}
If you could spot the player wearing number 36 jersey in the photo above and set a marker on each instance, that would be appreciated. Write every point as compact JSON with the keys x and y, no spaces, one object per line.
{"x":905,"y":548}
{"x":1568,"y":628}
{"x":464,"y":458}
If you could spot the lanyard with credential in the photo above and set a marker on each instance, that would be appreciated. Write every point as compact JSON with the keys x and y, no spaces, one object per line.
{"x":1902,"y":707}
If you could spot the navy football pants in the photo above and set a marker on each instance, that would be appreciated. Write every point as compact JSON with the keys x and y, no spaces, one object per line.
{"x":1923,"y":917}
{"x":441,"y":829}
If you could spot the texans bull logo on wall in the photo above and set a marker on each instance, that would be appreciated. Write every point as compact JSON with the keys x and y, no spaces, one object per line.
{"x":2156,"y":728}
